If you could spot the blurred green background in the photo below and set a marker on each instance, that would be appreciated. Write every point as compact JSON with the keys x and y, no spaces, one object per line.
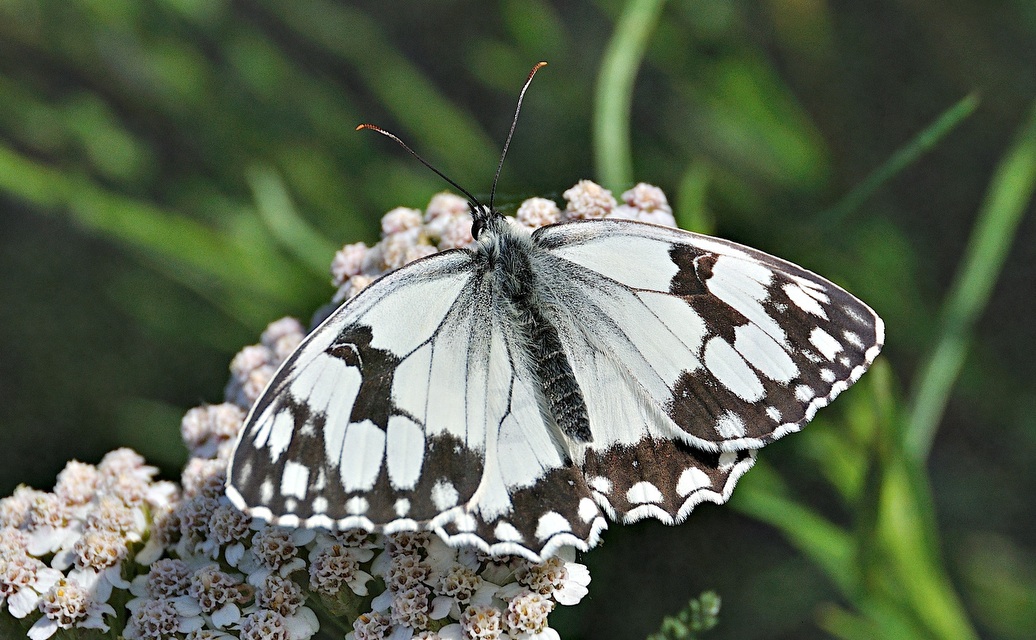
{"x":174,"y":174}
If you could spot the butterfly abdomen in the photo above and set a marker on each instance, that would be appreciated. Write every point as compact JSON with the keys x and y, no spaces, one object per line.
{"x":562,"y":392}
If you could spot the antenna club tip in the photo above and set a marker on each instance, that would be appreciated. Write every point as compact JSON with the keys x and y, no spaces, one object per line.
{"x":541,"y":64}
{"x":363,"y":126}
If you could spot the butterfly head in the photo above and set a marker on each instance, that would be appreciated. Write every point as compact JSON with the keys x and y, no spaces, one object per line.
{"x":481,"y":215}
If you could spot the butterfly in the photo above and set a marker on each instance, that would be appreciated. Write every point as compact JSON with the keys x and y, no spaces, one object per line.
{"x":518,"y":394}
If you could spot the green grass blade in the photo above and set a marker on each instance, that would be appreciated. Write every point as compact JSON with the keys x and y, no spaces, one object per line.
{"x":1006,"y":201}
{"x":879,"y":619}
{"x":898,"y":535}
{"x":612,"y":150}
{"x":292,"y":230}
{"x":901,"y":159}
{"x":908,"y":541}
{"x":845,"y":624}
{"x":161,"y":236}
{"x":438,"y":128}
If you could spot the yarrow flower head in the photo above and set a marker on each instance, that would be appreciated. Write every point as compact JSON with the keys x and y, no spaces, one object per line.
{"x":646,"y":203}
{"x":207,"y":428}
{"x":63,"y":553}
{"x":538,"y":212}
{"x":527,"y":614}
{"x":77,"y":483}
{"x":69,"y":604}
{"x":588,"y":200}
{"x":15,"y":509}
{"x":192,"y":566}
{"x":348,"y":262}
{"x":335,"y":565}
{"x":23,"y":580}
{"x":153,"y":620}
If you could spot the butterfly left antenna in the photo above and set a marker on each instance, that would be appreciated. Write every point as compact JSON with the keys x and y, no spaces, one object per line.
{"x":514,"y":123}
{"x":472,"y":200}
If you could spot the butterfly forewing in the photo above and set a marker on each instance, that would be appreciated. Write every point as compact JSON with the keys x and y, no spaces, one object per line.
{"x":413,"y":407}
{"x":736,"y":347}
{"x":692,"y":352}
{"x":348,"y":432}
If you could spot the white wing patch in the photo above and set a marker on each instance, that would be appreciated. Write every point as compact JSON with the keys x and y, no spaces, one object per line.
{"x":764,"y":354}
{"x":643,"y":493}
{"x":363,"y":451}
{"x":399,"y":326}
{"x":731,"y":370}
{"x":411,"y":385}
{"x":404,"y":452}
{"x":803,"y":300}
{"x":730,"y":426}
{"x":825,"y":343}
{"x":678,"y":317}
{"x":690,"y":480}
{"x":445,"y":410}
{"x":275,"y":434}
{"x":742,"y":285}
{"x":295,"y":479}
{"x":444,"y":495}
{"x":632,"y":260}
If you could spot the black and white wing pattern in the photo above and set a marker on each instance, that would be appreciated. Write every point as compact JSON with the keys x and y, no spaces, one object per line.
{"x":735,"y":346}
{"x":412,"y":408}
{"x":518,"y":395}
{"x":686,"y":344}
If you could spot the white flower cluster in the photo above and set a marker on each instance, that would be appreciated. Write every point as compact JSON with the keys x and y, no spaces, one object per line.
{"x":433,"y":591}
{"x":643,"y":202}
{"x":254,"y":365}
{"x":63,"y":553}
{"x":187,"y":565}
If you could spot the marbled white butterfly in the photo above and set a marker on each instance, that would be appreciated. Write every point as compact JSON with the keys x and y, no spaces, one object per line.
{"x":518,"y":394}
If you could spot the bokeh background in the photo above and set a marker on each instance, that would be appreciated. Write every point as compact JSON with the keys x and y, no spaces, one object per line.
{"x":174,"y":174}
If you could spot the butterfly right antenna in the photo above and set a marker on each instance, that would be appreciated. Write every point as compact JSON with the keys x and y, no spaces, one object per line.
{"x":514,"y":123}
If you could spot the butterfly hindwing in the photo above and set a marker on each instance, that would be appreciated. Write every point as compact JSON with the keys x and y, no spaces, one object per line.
{"x":662,"y":479}
{"x":528,"y":478}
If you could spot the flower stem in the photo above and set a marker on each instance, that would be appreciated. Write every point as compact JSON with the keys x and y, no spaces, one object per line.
{"x":612,"y":149}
